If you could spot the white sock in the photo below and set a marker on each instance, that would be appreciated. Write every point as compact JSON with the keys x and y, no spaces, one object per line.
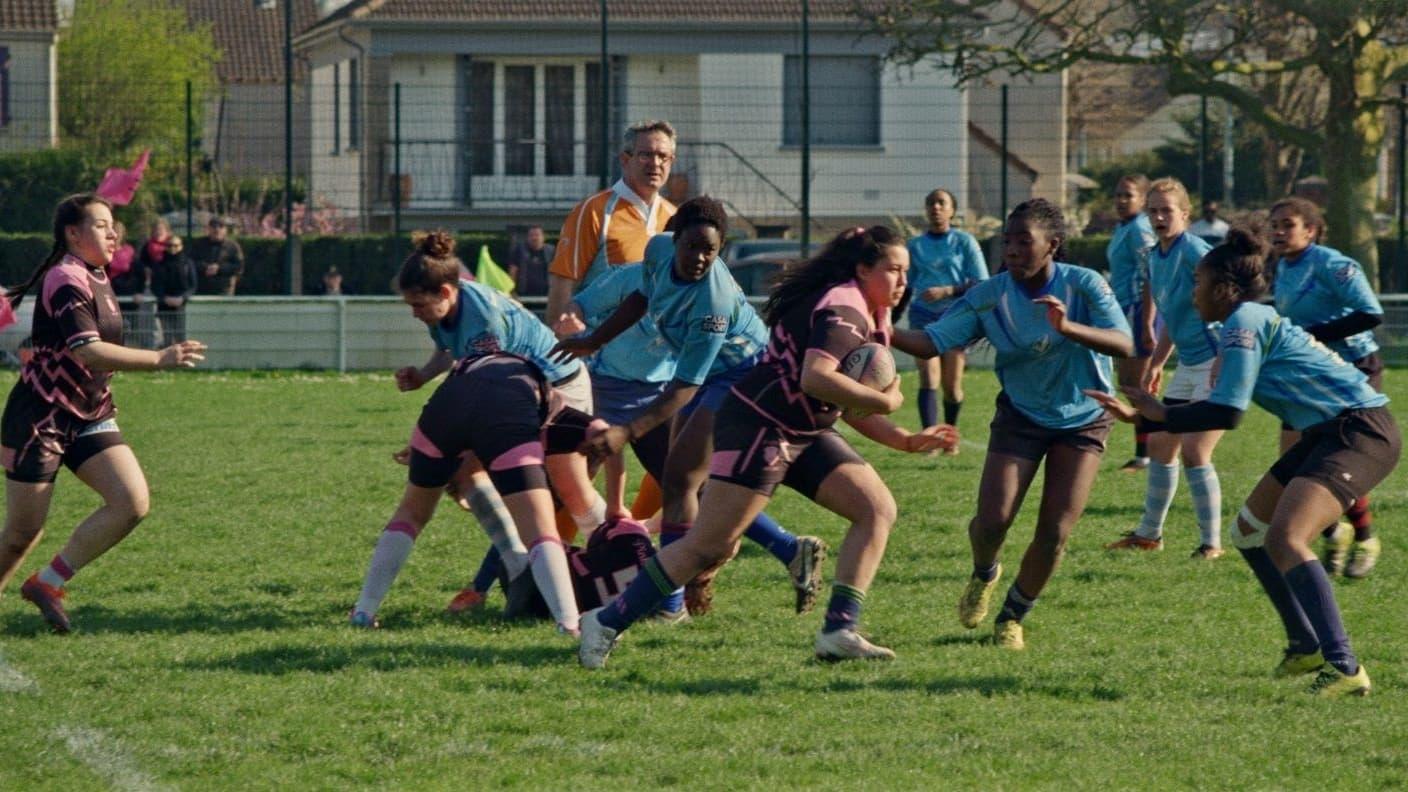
{"x":392,"y":550}
{"x":1158,"y":496}
{"x":488,"y":508}
{"x":589,"y":520}
{"x":549,"y":564}
{"x":1207,"y":502}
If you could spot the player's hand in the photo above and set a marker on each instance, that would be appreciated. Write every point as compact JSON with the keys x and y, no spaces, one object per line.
{"x":935,"y":293}
{"x":567,"y":325}
{"x":402,"y":457}
{"x":894,"y":397}
{"x":1146,"y":403}
{"x":182,"y":354}
{"x":1055,"y":312}
{"x":934,"y":438}
{"x":570,"y":348}
{"x":409,"y":378}
{"x":1152,"y":380}
{"x":1116,"y":408}
{"x":605,"y":443}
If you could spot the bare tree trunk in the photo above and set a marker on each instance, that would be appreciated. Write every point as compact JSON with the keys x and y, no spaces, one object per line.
{"x":1349,"y":158}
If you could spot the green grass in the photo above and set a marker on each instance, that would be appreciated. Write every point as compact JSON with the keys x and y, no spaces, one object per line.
{"x":211,"y":649}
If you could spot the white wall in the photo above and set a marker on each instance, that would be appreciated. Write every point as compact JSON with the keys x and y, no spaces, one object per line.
{"x":33,"y":95}
{"x":1036,"y":123}
{"x":335,"y":174}
{"x":429,"y":152}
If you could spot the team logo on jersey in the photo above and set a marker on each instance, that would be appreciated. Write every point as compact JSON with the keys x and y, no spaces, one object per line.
{"x":714,"y":324}
{"x":1346,"y":273}
{"x":1239,"y":338}
{"x":484,"y":344}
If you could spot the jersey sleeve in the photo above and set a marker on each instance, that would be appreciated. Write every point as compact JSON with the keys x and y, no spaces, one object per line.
{"x":1346,"y":281}
{"x":1239,"y":358}
{"x":975,"y":267}
{"x":1104,"y":309}
{"x":958,"y":327}
{"x":76,"y":315}
{"x":600,"y":299}
{"x":836,"y":330}
{"x":578,"y":243}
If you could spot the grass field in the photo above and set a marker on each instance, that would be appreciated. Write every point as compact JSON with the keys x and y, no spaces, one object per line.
{"x":211,"y":648}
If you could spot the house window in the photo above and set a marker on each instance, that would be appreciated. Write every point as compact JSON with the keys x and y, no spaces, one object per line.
{"x":520,"y":119}
{"x":560,"y":116}
{"x":4,"y":86}
{"x":480,"y":107}
{"x":336,"y":108}
{"x":354,"y":103}
{"x":845,"y":101}
{"x":530,"y":119}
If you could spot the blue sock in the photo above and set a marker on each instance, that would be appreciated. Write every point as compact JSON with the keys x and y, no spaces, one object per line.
{"x":1016,"y":606}
{"x":643,"y":596}
{"x":843,"y":612}
{"x":773,"y":537}
{"x":951,"y":410}
{"x":985,"y":573}
{"x":488,"y":571}
{"x":669,"y":534}
{"x":1299,"y":634}
{"x":928,"y":407}
{"x":1312,"y":589}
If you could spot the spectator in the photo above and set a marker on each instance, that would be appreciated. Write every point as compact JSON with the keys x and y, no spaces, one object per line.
{"x":218,"y":260}
{"x":1210,"y":227}
{"x":528,"y":263}
{"x":173,"y":283}
{"x":332,"y":283}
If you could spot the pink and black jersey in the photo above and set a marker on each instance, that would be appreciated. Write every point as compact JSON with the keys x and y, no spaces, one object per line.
{"x":76,"y":306}
{"x":832,"y":323}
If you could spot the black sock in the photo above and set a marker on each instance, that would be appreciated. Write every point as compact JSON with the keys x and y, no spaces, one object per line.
{"x":951,"y":409}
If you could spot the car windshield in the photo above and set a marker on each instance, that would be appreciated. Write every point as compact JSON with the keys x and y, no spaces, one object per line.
{"x":744,"y":248}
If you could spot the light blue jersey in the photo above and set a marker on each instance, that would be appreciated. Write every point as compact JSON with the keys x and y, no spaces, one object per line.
{"x":1171,"y":281}
{"x":1267,"y":359}
{"x":948,"y":259}
{"x":486,"y":321}
{"x":1323,"y":284}
{"x":645,"y":356}
{"x":1128,"y":257}
{"x":708,"y":323}
{"x":1041,"y":371}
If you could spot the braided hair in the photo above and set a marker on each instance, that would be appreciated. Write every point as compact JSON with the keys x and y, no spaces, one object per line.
{"x":836,"y":263}
{"x":69,"y":212}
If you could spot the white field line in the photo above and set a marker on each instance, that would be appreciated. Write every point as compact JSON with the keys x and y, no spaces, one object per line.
{"x":12,"y":680}
{"x":966,"y":443}
{"x":105,"y":756}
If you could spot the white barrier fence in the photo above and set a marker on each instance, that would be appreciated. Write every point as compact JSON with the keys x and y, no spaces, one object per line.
{"x":379,"y":333}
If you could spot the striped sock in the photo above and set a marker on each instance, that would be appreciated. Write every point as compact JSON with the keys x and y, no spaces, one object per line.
{"x":1016,"y":606}
{"x":1361,"y":518}
{"x":773,"y":537}
{"x":57,"y":573}
{"x":1158,"y":496}
{"x":1206,"y":489}
{"x":390,"y":555}
{"x":843,"y":611}
{"x":488,"y":508}
{"x":548,"y":560}
{"x":645,"y":594}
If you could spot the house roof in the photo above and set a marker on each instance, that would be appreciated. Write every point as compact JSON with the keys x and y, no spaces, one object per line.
{"x":250,"y":38}
{"x":485,"y":10}
{"x":32,"y":15}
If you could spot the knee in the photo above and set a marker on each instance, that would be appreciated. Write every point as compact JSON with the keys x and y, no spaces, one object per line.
{"x":132,"y":507}
{"x":882,"y":513}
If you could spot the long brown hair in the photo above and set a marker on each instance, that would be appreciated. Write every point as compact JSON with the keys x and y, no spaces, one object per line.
{"x":836,"y":263}
{"x":69,"y":212}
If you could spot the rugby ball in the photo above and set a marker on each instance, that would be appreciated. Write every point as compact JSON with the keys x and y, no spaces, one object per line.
{"x":871,"y":365}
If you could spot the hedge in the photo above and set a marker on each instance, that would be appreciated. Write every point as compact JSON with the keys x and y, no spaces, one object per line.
{"x":367,"y":262}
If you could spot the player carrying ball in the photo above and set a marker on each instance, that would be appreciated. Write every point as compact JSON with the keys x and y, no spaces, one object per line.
{"x":774,"y":427}
{"x":1348,"y":443}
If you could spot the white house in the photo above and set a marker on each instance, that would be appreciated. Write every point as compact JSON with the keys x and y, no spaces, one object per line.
{"x":29,"y":117}
{"x":500,"y":111}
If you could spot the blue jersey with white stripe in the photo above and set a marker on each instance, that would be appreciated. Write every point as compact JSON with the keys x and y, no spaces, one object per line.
{"x":708,"y":323}
{"x":1265,"y":358}
{"x":1171,"y":282}
{"x":1041,"y":371}
{"x":948,"y":259}
{"x":486,"y":321}
{"x":645,"y":356}
{"x":1323,"y":284}
{"x":1128,"y":257}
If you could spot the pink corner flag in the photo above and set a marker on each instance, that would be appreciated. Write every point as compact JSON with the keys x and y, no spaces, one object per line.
{"x":120,"y":185}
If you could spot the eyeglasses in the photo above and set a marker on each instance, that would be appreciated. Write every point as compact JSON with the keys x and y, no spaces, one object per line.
{"x":654,"y":156}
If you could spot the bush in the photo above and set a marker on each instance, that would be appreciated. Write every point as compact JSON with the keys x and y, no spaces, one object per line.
{"x":33,"y":182}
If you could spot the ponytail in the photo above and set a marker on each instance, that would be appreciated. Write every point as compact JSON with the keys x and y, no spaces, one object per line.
{"x":69,"y":212}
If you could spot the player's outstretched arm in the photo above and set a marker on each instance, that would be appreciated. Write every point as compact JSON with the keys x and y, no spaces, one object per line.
{"x":104,"y":356}
{"x":915,"y":342}
{"x":628,"y":313}
{"x":885,"y":432}
{"x":1116,"y":343}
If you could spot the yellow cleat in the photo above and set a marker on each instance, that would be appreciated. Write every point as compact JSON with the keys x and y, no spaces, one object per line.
{"x":1334,"y":549}
{"x":1363,"y":557}
{"x":1008,"y":635}
{"x":977,"y":595}
{"x":1294,"y":664}
{"x":1334,"y":683}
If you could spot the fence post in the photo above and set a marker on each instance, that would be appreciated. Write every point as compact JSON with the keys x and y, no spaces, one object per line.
{"x":396,"y":180}
{"x":190,"y":167}
{"x":1400,"y":265}
{"x":289,"y":283}
{"x":1002,"y":166}
{"x":606,"y":146}
{"x":806,"y":126}
{"x":341,"y":334}
{"x":1202,"y":148}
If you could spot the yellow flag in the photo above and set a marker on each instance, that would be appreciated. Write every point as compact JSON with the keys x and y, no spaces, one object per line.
{"x":491,"y":274}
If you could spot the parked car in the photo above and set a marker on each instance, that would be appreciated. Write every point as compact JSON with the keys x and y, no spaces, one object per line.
{"x":756,"y":263}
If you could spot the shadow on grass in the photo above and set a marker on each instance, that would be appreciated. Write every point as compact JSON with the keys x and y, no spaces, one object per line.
{"x":195,"y":618}
{"x":1004,"y":685}
{"x":280,"y":660}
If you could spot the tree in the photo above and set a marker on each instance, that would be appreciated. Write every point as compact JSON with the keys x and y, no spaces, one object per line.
{"x":123,"y":69}
{"x":1264,"y":57}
